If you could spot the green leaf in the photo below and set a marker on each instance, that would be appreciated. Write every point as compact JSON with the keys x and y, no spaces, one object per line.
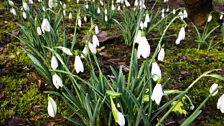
{"x":190,"y":119}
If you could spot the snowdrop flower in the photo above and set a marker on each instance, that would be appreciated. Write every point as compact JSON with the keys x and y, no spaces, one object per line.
{"x":57,"y":81}
{"x":163,"y":13}
{"x":106,"y":18}
{"x":181,"y":15}
{"x":31,"y":1}
{"x":92,"y":48}
{"x":185,"y":15}
{"x":78,"y":65}
{"x":141,"y":25}
{"x":52,"y":107}
{"x":209,"y":18}
{"x":101,"y":3}
{"x":119,"y":7}
{"x":174,"y":11}
{"x":11,"y":3}
{"x":24,"y":15}
{"x":147,"y":18}
{"x":105,"y":11}
{"x":87,"y":6}
{"x":145,"y":24}
{"x":39,"y":32}
{"x":118,"y":116}
{"x":156,"y":72}
{"x":167,"y":9}
{"x":54,"y":63}
{"x":118,"y":1}
{"x":26,"y":6}
{"x":213,"y":88}
{"x":112,"y":7}
{"x":77,"y":1}
{"x":96,"y":29}
{"x":45,"y":26}
{"x":157,"y":93}
{"x":143,"y":48}
{"x":13,"y":11}
{"x":79,"y":22}
{"x":70,"y":15}
{"x":64,"y":12}
{"x":85,"y":18}
{"x":127,"y":4}
{"x":138,"y":37}
{"x":98,"y":10}
{"x":52,"y":3}
{"x":220,"y":103}
{"x":95,"y":41}
{"x":66,"y":50}
{"x":181,"y":35}
{"x":136,"y":3}
{"x":161,"y":54}
{"x":221,"y":17}
{"x":39,"y":0}
{"x":84,"y":52}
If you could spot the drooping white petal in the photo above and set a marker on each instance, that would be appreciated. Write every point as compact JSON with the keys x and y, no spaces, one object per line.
{"x":79,"y":22}
{"x":185,"y":15}
{"x":31,"y":1}
{"x":78,"y":65}
{"x":157,"y":93}
{"x":136,"y":3}
{"x":221,"y":17}
{"x":66,"y":50}
{"x":96,"y":29}
{"x":213,"y":88}
{"x":156,"y":72}
{"x":106,"y":18}
{"x":98,"y":10}
{"x":92,"y":48}
{"x":52,"y":107}
{"x":95,"y":41}
{"x":127,"y":4}
{"x":57,"y":81}
{"x":121,"y":119}
{"x":209,"y":18}
{"x":54,"y":63}
{"x":161,"y":54}
{"x":143,"y":48}
{"x":11,"y":3}
{"x":85,"y":52}
{"x":13,"y":11}
{"x":138,"y":37}
{"x":85,"y":18}
{"x":112,"y":7}
{"x":52,"y":3}
{"x":181,"y":15}
{"x":26,"y":6}
{"x":39,"y":32}
{"x":220,"y":104}
{"x":45,"y":26}
{"x":70,"y":16}
{"x":24,"y":15}
{"x":181,"y":35}
{"x":174,"y":11}
{"x":147,"y":18}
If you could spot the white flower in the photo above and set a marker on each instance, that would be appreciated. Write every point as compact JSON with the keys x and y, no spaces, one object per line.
{"x":79,"y":22}
{"x":185,"y":15}
{"x":161,"y":54}
{"x":92,"y":48}
{"x":143,"y":48}
{"x":221,"y":17}
{"x":57,"y":81}
{"x":101,"y":2}
{"x":70,"y":15}
{"x":121,"y":119}
{"x":181,"y":35}
{"x":95,"y":41}
{"x":98,"y":10}
{"x":26,"y":6}
{"x":167,"y":9}
{"x":105,"y":11}
{"x":52,"y":107}
{"x":96,"y":29}
{"x":64,"y":12}
{"x":181,"y":15}
{"x":112,"y":7}
{"x":39,"y":32}
{"x":147,"y":18}
{"x":209,"y":18}
{"x":11,"y":3}
{"x":13,"y":11}
{"x":156,"y":72}
{"x":31,"y":1}
{"x":78,"y":65}
{"x":85,"y":18}
{"x":145,"y":24}
{"x":213,"y":88}
{"x":45,"y":26}
{"x":24,"y":15}
{"x":106,"y":18}
{"x":87,"y":6}
{"x":141,"y":25}
{"x":66,"y":50}
{"x":119,"y":7}
{"x":138,"y":37}
{"x":174,"y":11}
{"x":127,"y":4}
{"x":163,"y":13}
{"x":52,"y":3}
{"x":54,"y":63}
{"x":77,"y":1}
{"x":157,"y":93}
{"x":85,"y":52}
{"x":220,"y":103}
{"x":136,"y":3}
{"x":39,"y":0}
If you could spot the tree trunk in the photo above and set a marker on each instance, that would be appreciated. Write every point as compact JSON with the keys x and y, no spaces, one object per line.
{"x":198,"y":10}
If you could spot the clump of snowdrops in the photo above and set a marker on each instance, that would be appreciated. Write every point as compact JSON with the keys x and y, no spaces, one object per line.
{"x":133,"y":99}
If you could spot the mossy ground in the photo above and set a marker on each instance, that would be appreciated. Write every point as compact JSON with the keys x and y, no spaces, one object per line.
{"x":23,"y":101}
